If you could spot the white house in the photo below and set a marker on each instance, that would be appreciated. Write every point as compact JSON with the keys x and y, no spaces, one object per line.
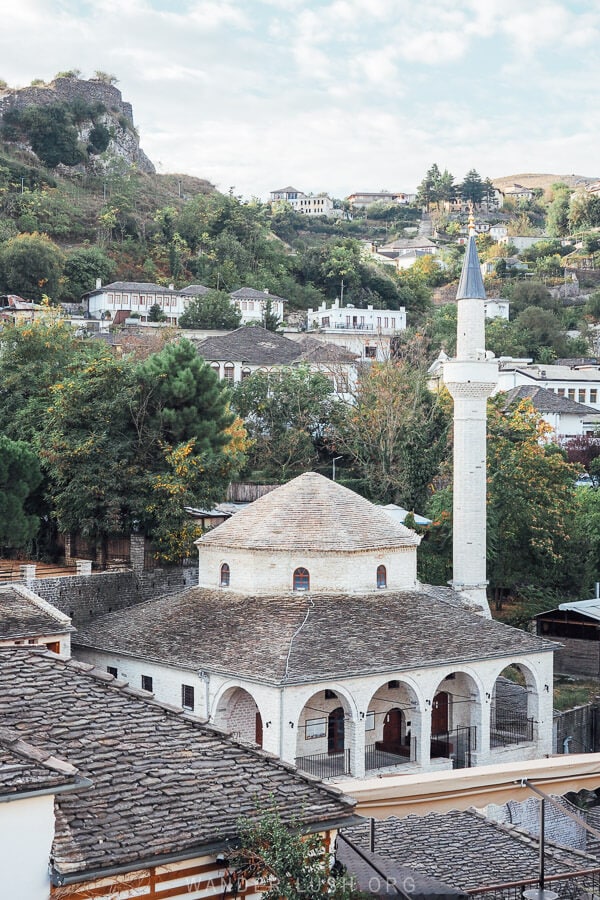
{"x":497,"y":308}
{"x":365,"y":332}
{"x":117,"y":301}
{"x":367,"y":198}
{"x":254,"y":305}
{"x":29,"y":620}
{"x":310,"y":635}
{"x":307,"y":204}
{"x":251,"y":348}
{"x":566,"y":417}
{"x":575,"y":382}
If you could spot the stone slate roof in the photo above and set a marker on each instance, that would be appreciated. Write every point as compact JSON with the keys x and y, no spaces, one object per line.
{"x":316,"y":351}
{"x":546,"y":401}
{"x":311,"y":513}
{"x":144,"y":287}
{"x":194,"y":290}
{"x":248,"y":293}
{"x":465,"y":849}
{"x":22,"y":616}
{"x":471,"y":281}
{"x":250,"y":344}
{"x":304,"y":637}
{"x":24,"y":768}
{"x":162,"y":783}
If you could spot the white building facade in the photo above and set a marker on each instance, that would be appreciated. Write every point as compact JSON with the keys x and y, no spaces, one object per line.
{"x":365,"y":332}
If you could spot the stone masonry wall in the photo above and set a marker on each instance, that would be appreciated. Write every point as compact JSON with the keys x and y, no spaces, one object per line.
{"x":84,"y":598}
{"x":64,"y":90}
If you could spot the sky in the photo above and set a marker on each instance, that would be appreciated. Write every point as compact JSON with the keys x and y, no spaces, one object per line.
{"x":332,"y":95}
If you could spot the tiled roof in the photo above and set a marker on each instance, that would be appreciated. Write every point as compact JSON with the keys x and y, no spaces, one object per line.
{"x":24,"y":768}
{"x":465,"y":849}
{"x":250,"y":344}
{"x":295,"y":638}
{"x":546,"y":401}
{"x":145,"y":287}
{"x":311,"y":512}
{"x":248,"y":293}
{"x":195,"y":290}
{"x":23,"y":615}
{"x":162,"y":783}
{"x":316,"y":351}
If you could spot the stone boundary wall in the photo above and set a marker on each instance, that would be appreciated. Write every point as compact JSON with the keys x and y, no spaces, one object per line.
{"x":86,"y":597}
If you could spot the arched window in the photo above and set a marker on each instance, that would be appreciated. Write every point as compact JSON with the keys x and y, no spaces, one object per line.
{"x":229,"y":372}
{"x":216,"y":369}
{"x":225,"y":575}
{"x":301,"y":580}
{"x":381,"y":577}
{"x":246,"y":372}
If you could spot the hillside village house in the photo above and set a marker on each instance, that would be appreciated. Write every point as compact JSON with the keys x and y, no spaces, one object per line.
{"x":251,"y":348}
{"x":365,"y":332}
{"x":566,"y":417}
{"x":367,"y":198}
{"x":577,"y":381}
{"x":310,"y":635}
{"x":307,"y":204}
{"x":113,"y":794}
{"x":119,"y":300}
{"x":254,"y":305}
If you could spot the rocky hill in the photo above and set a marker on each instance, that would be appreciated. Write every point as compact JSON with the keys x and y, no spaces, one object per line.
{"x":73,"y":123}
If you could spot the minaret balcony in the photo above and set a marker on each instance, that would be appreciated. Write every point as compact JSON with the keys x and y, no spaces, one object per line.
{"x":475,"y":379}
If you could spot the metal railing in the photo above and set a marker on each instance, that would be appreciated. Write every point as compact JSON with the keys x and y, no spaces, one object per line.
{"x":325,"y":765}
{"x":358,"y":327}
{"x":574,"y":885}
{"x":456,"y":745}
{"x":378,"y":756}
{"x":511,"y":730}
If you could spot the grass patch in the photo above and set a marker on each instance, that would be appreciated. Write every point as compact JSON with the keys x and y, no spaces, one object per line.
{"x":570,"y":692}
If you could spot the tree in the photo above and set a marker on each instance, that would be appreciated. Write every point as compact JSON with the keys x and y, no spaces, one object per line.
{"x":128,"y":444}
{"x":34,"y":356}
{"x":20,"y":475}
{"x":394,"y":430}
{"x":211,"y":310}
{"x":30,"y":265}
{"x":286,"y":417}
{"x":288,"y":862}
{"x":156,"y":313}
{"x":472,"y":188}
{"x":82,"y":268}
{"x":557,"y":219}
{"x":532,"y":531}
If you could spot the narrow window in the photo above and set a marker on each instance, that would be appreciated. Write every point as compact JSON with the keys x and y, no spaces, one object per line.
{"x":301,"y":580}
{"x":246,"y":372}
{"x":593,"y":395}
{"x":381,"y":577}
{"x":581,"y":396}
{"x":187,"y":696}
{"x":112,"y":670}
{"x":229,"y":372}
{"x":225,"y":573}
{"x":147,"y":683}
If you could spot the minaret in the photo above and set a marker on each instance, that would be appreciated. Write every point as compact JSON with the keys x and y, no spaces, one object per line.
{"x":470,"y":378}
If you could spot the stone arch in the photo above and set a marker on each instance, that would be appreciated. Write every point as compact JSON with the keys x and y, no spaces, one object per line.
{"x":456,"y":716}
{"x":393,"y":724}
{"x":325,"y":732}
{"x":236,"y":711}
{"x":514,"y":705}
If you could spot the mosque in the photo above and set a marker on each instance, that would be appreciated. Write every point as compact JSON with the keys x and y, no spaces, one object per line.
{"x":309,"y":634}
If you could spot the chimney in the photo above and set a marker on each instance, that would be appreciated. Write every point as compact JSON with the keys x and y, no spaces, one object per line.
{"x":266,"y":291}
{"x":98,"y":283}
{"x":171,"y":287}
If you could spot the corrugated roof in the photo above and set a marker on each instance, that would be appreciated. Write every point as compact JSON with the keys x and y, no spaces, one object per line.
{"x":471,"y":282}
{"x":311,"y":512}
